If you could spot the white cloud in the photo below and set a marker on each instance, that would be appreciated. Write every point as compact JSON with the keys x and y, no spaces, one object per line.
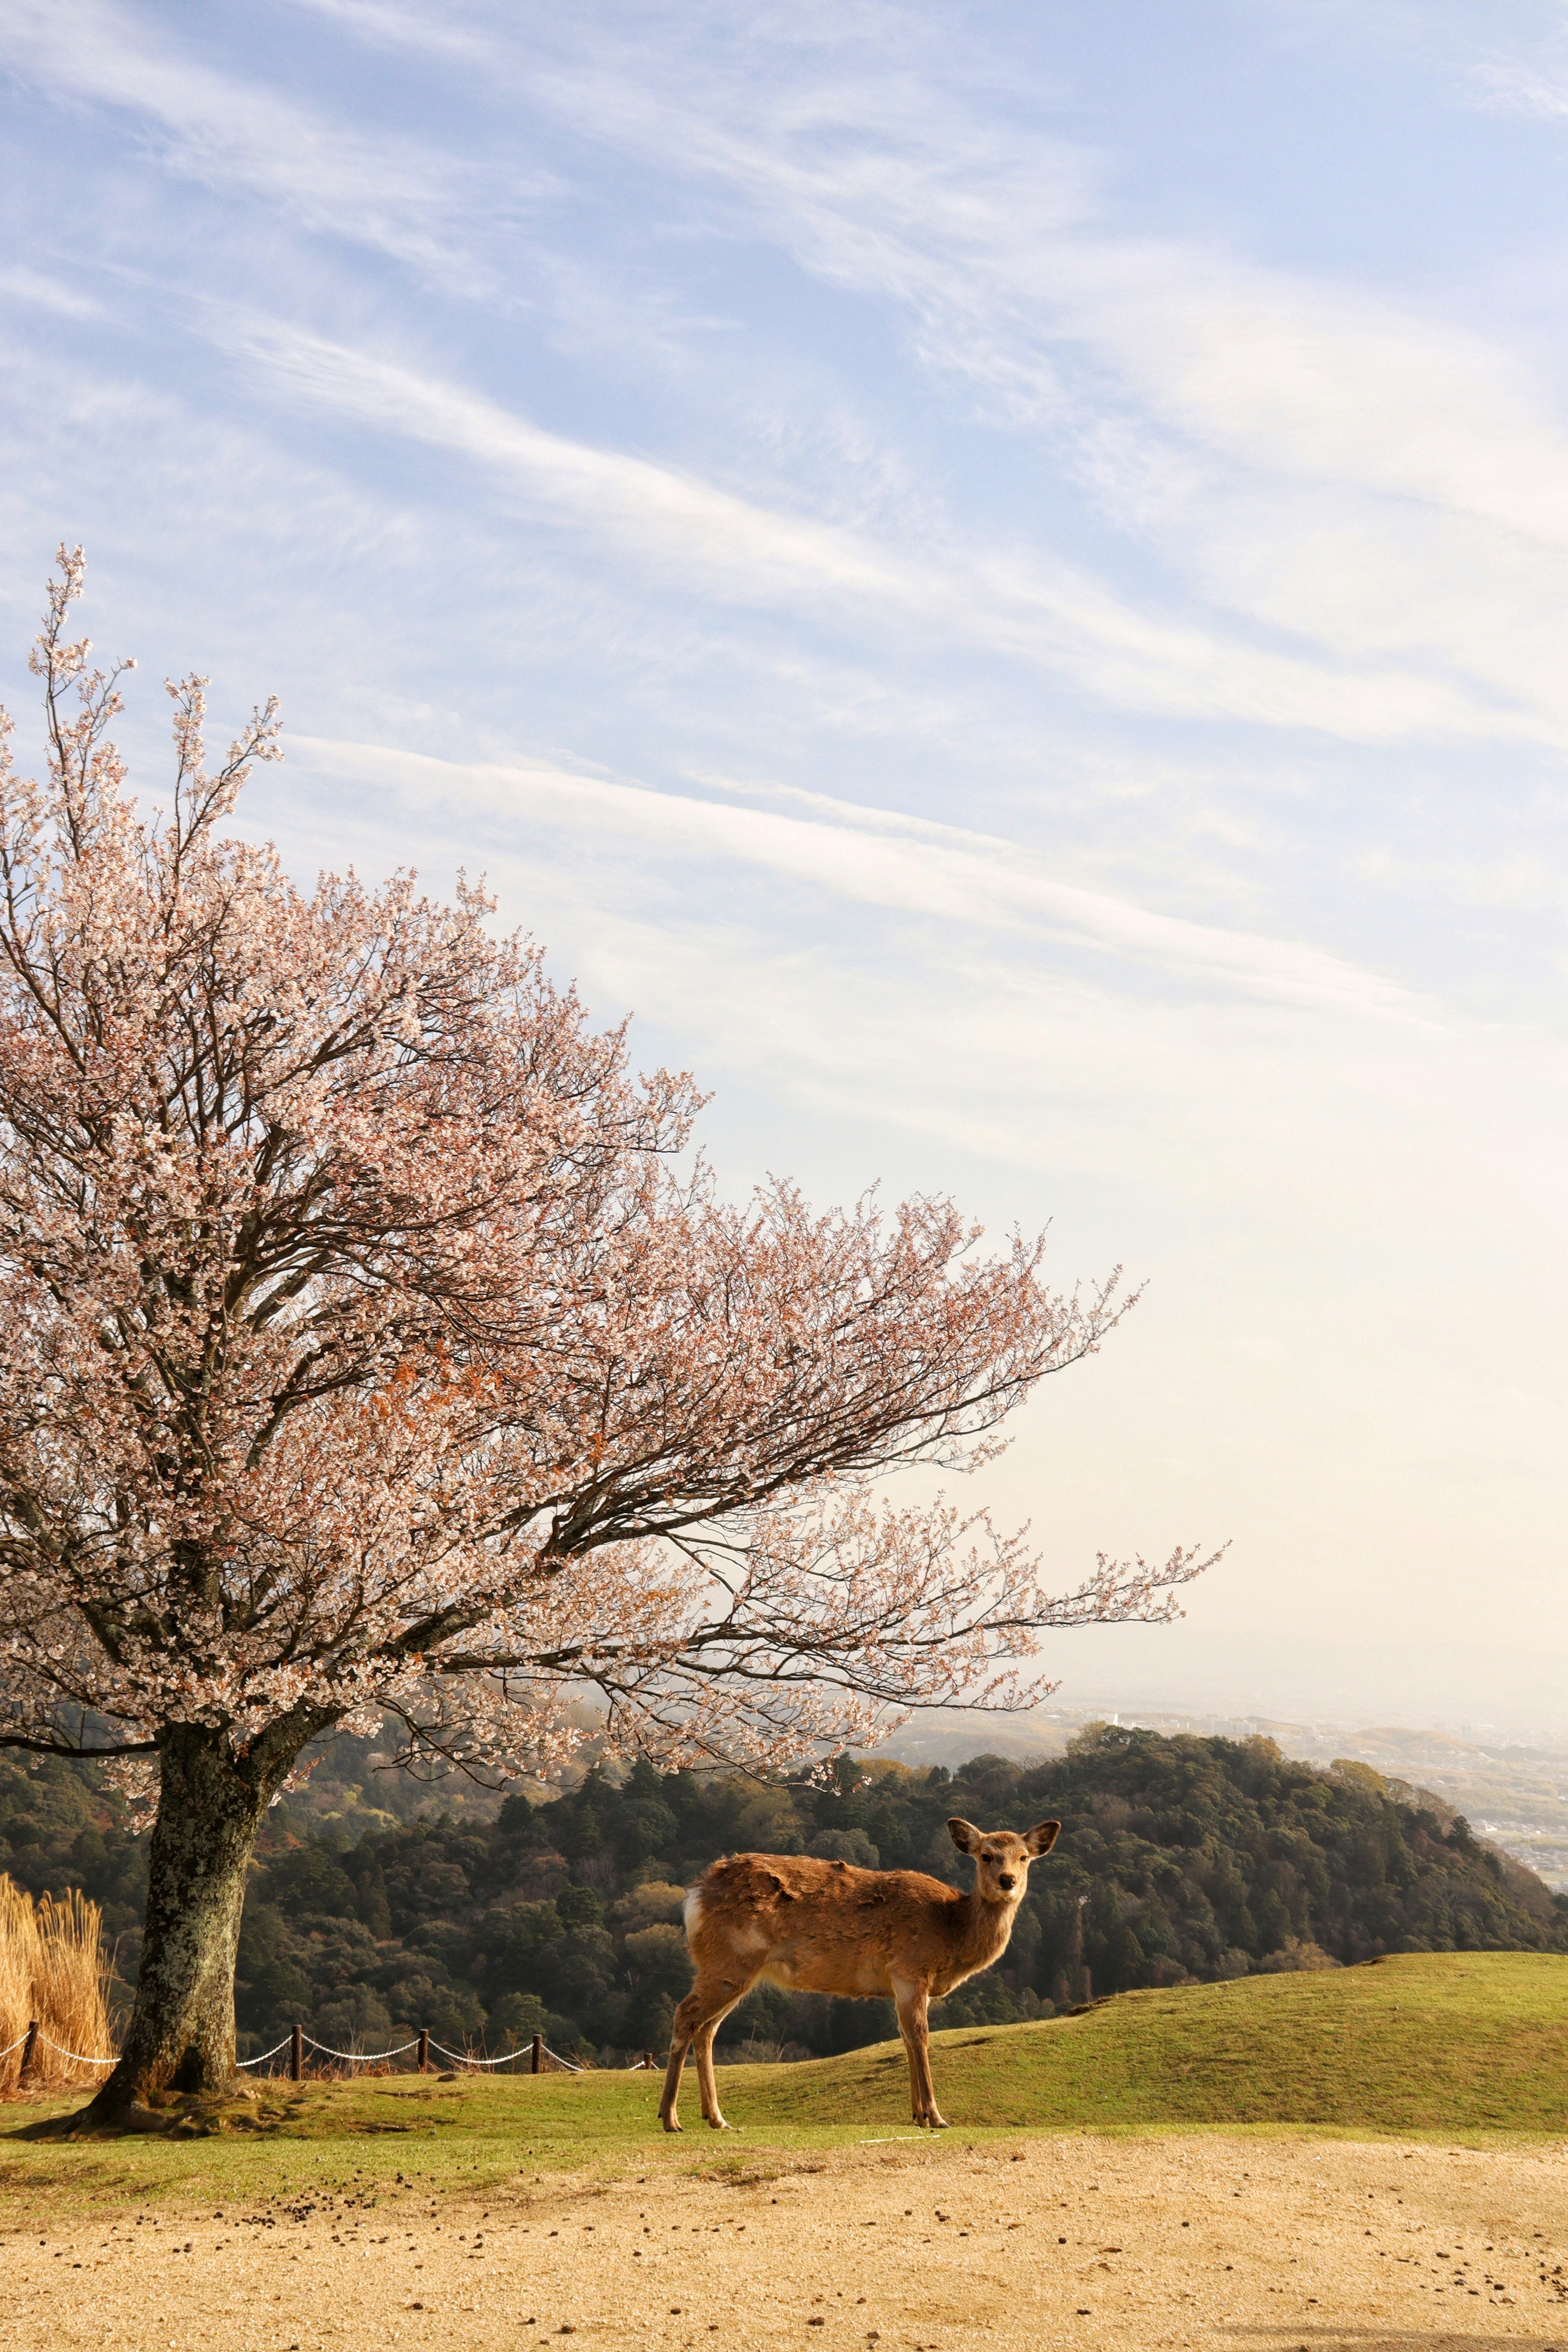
{"x":35,"y":286}
{"x":908,"y":866}
{"x":1317,"y":382}
{"x":1194,"y":391}
{"x":1018,"y":604}
{"x":1003,"y":253}
{"x":1522,"y":89}
{"x":383,"y":26}
{"x":398,"y":194}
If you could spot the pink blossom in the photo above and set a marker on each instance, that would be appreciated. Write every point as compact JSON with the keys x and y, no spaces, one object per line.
{"x":371,"y":1346}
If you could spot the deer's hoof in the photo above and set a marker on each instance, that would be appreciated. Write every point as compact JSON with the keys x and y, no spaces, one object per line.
{"x":717,"y":2123}
{"x":670,"y":2123}
{"x":936,"y":2123}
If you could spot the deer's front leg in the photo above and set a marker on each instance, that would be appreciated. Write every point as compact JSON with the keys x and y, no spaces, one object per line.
{"x":912,"y":2000}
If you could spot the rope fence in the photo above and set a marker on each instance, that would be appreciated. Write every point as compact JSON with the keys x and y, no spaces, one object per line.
{"x":35,"y":2039}
{"x":79,"y":2056}
{"x":361,"y":2057}
{"x":538,"y":2053}
{"x":265,"y":2053}
{"x":507,"y":2058}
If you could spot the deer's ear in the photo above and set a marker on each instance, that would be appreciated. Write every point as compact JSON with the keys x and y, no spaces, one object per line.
{"x":1043,"y":1836}
{"x":965,"y":1835}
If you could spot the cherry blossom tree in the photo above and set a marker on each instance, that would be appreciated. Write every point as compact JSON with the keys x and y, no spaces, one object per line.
{"x":374,"y":1352}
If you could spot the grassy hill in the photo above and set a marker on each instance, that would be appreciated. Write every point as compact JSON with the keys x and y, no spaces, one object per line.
{"x":1418,"y":2042}
{"x":1450,"y":2045}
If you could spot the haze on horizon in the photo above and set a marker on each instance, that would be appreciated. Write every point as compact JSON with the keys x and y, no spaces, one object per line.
{"x":996,"y":573}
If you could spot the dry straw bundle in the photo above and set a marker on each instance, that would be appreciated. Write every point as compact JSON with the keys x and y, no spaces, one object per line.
{"x":53,"y":1966}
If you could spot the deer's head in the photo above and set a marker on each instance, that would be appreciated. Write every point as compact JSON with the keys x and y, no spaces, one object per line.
{"x":1002,"y":1857}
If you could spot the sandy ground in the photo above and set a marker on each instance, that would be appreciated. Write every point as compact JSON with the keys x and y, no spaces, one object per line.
{"x":899,"y":2245}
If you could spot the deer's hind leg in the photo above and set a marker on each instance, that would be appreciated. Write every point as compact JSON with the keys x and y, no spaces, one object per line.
{"x":697,"y":2020}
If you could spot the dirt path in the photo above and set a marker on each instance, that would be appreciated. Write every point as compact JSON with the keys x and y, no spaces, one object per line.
{"x":898,"y":2246}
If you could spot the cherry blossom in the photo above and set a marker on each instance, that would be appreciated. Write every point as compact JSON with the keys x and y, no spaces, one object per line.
{"x":374,"y":1349}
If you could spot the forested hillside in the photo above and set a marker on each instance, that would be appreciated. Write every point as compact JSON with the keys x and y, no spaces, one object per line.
{"x":376,"y":1906}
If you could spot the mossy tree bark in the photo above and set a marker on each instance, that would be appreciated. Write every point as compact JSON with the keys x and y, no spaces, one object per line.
{"x":210,"y":1803}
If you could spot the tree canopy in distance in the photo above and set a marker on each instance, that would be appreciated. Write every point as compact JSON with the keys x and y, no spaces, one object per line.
{"x":372,"y":1348}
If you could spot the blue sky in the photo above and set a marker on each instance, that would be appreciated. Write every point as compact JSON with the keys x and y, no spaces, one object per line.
{"x":998,"y":574}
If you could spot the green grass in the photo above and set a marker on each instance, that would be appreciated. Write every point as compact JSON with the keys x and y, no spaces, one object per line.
{"x":1432,"y":2042}
{"x":1456,"y":2045}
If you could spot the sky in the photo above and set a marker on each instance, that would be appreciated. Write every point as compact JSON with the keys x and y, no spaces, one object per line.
{"x":995,"y":574}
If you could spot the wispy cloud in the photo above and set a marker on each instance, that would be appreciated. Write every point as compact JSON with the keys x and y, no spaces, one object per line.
{"x":904,"y":865}
{"x":1013,"y":603}
{"x":49,"y":293}
{"x":1194,"y":390}
{"x":381,"y":24}
{"x":1522,"y":89}
{"x":1004,"y":252}
{"x":1327,"y":474}
{"x":398,"y":194}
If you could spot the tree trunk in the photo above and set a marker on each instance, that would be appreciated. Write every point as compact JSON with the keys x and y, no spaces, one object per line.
{"x":181,"y":2036}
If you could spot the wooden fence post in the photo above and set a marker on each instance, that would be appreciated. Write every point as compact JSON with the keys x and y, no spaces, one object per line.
{"x":297,"y":2054}
{"x":424,"y":2061}
{"x":536,"y":2065}
{"x":29,"y":2051}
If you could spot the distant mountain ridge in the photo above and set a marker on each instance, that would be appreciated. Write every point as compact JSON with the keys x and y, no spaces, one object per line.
{"x":1514,"y":1795}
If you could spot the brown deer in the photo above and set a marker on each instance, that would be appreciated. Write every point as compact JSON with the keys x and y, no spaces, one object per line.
{"x":825,"y":1927}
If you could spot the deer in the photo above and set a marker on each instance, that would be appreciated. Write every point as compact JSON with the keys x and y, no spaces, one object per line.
{"x":828,"y":1927}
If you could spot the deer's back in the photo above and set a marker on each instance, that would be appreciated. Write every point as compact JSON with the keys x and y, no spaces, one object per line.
{"x":824,"y":1927}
